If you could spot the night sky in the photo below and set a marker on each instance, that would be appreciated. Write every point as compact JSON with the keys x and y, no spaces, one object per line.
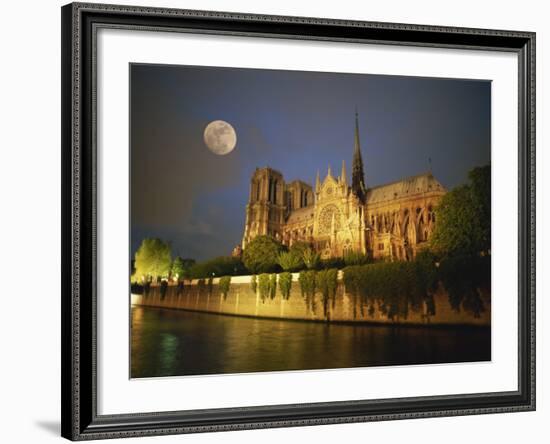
{"x":295,"y":122}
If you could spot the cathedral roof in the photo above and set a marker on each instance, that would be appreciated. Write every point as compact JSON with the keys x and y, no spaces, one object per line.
{"x":301,"y":214}
{"x":422,"y":183}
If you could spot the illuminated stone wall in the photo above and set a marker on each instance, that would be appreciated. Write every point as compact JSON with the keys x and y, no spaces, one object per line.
{"x":242,"y":300}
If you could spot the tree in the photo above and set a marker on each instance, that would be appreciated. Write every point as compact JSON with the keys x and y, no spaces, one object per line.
{"x":299,"y":247}
{"x":464,"y":217}
{"x":290,"y":260}
{"x":153,"y":259}
{"x":261,"y":254}
{"x":481,"y":198}
{"x":178,"y":269}
{"x":218,"y":266}
{"x":187,"y":265}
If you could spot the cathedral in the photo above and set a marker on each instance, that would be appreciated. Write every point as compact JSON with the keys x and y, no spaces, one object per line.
{"x":390,"y":221}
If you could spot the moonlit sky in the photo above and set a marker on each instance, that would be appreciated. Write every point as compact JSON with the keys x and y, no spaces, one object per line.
{"x":295,"y":122}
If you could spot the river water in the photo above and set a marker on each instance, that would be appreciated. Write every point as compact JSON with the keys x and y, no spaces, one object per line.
{"x":168,"y":342}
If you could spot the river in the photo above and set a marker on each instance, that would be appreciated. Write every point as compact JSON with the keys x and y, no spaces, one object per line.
{"x":167,"y":342}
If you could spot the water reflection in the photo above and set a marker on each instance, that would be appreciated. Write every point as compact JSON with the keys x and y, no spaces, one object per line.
{"x":169,"y":346}
{"x":173,"y":342}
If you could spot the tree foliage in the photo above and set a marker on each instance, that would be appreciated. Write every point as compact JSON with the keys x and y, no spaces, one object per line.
{"x":311,"y":259}
{"x":299,"y":247}
{"x":219,"y":266}
{"x":332,"y":262}
{"x":224,"y":285}
{"x":307,"y":287}
{"x":186,"y":264}
{"x":356,"y":258}
{"x":177,"y":271}
{"x":464,"y":277}
{"x":273,"y":286}
{"x":254,"y":283}
{"x":261,"y":254}
{"x":285,"y":284}
{"x":397,"y":287}
{"x":393,"y":286}
{"x":264,"y":285}
{"x":153,"y":259}
{"x":290,"y":260}
{"x":327,"y":283}
{"x":464,"y":217}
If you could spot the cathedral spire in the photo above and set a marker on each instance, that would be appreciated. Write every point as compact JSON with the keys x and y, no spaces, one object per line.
{"x":358,"y":175}
{"x":329,"y":174}
{"x":343,"y":176}
{"x":318,"y":183}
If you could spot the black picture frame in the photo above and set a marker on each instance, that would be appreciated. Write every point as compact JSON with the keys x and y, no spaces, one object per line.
{"x":79,"y":171}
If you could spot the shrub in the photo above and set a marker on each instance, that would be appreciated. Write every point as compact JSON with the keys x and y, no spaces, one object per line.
{"x":299,"y":247}
{"x":307,"y":288}
{"x":464,"y":277}
{"x":355,"y":258}
{"x":333,"y":262}
{"x":272,"y":286}
{"x":425,"y":281}
{"x":225,"y":284}
{"x":332,"y":283}
{"x":327,"y":281}
{"x":261,"y":253}
{"x":394,"y":286}
{"x":264,"y":282}
{"x":219,"y":266}
{"x":311,"y":258}
{"x":290,"y":260}
{"x":353,"y":285}
{"x":254,"y":283}
{"x":180,"y":268}
{"x":397,"y":287}
{"x":285,"y":285}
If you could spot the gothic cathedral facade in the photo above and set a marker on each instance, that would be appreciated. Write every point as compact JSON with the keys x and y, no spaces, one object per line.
{"x":391,"y":221}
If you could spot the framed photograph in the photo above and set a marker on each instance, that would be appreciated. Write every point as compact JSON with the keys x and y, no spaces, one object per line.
{"x":281,"y":221}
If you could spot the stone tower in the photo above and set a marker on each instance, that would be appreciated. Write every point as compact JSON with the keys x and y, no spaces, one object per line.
{"x":265,"y":210}
{"x":358,"y":176}
{"x":298,"y":195}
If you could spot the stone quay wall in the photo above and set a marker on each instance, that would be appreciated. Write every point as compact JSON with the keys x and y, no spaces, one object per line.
{"x":241,"y":300}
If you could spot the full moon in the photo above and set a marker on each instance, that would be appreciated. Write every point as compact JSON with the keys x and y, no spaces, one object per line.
{"x":220,"y":137}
